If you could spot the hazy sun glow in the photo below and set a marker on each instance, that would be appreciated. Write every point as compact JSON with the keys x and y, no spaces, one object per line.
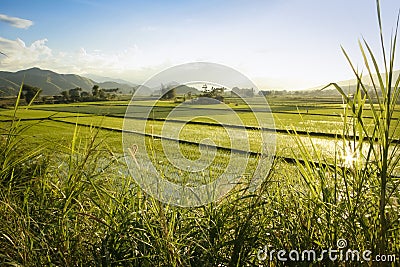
{"x":350,"y":157}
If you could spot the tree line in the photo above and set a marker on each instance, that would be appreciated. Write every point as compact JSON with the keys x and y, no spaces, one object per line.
{"x":32,"y":93}
{"x":78,"y":95}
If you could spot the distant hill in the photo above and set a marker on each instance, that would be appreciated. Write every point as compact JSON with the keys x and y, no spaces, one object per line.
{"x":179,"y":89}
{"x":102,"y":79}
{"x":350,"y":86}
{"x":184,"y":89}
{"x":52,"y":83}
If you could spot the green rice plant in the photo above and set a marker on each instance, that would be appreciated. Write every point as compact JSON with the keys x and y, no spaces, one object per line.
{"x":16,"y":161}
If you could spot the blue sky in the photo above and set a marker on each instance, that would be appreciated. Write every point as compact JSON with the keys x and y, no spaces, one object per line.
{"x":286,"y":44}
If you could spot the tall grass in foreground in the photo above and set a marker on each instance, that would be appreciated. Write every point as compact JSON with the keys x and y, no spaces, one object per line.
{"x":72,"y":205}
{"x":357,"y":197}
{"x":79,"y":210}
{"x":43,"y":197}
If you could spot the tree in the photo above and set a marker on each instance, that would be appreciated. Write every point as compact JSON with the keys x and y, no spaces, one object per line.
{"x":75,"y":94}
{"x":102,"y":94}
{"x":30,"y":92}
{"x":168,"y":93}
{"x":216,"y":93}
{"x":95,"y":90}
{"x":85,"y":94}
{"x":250,"y":92}
{"x":113,"y":90}
{"x":65,"y":95}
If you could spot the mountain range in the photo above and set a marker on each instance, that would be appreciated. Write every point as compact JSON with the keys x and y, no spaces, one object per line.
{"x":53,"y":83}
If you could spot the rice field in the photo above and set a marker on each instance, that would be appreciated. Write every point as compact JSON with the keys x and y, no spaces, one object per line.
{"x":69,"y":199}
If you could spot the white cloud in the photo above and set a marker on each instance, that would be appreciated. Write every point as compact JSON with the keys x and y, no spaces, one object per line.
{"x":16,"y":22}
{"x":20,"y":56}
{"x":131,"y":63}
